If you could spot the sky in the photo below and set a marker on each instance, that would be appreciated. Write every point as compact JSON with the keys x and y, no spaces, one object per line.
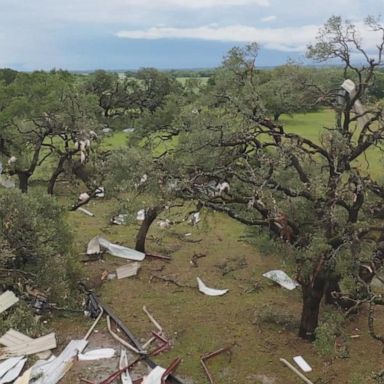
{"x":165,"y":34}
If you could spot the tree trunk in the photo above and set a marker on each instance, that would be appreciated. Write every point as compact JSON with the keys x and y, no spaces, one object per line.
{"x":23,"y":181}
{"x":150,"y":216}
{"x":276,"y":116}
{"x":332,"y":285}
{"x":312,"y":295}
{"x":56,"y":173}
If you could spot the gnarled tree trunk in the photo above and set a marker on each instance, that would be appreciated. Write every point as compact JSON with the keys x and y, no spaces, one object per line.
{"x":312,"y":295}
{"x":150,"y":215}
{"x":23,"y":181}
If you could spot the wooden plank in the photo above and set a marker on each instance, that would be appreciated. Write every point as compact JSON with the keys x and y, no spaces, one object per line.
{"x":40,"y":344}
{"x":7,"y":299}
{"x":13,"y":337}
{"x":127,"y":270}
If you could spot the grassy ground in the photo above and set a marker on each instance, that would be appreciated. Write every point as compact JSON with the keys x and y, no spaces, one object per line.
{"x":256,"y":318}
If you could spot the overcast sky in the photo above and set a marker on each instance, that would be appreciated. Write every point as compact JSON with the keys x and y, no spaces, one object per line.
{"x":129,"y":34}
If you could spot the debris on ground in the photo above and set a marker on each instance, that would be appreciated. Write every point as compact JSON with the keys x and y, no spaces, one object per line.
{"x":120,"y":219}
{"x":164,"y":224}
{"x":7,"y":299}
{"x":305,"y":367}
{"x":96,"y":354}
{"x":208,"y":356}
{"x":127,"y":270}
{"x":123,"y":362}
{"x":89,"y":213}
{"x":96,"y":244}
{"x":140,"y":215}
{"x":298,"y":373}
{"x":210,"y":291}
{"x":281,"y":278}
{"x":13,"y":373}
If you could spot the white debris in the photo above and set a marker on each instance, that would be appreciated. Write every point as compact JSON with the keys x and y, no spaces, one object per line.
{"x":82,"y":157}
{"x":194,"y":218}
{"x":12,"y":160}
{"x":127,"y":270}
{"x":7,"y":182}
{"x":221,"y":187}
{"x":120,"y":251}
{"x":164,"y":223}
{"x":96,"y":354}
{"x":107,"y":130}
{"x":143,"y":179}
{"x":140,"y":215}
{"x":93,"y":134}
{"x":123,"y":362}
{"x":93,"y":247}
{"x":120,"y":219}
{"x":7,"y":299}
{"x":281,"y":278}
{"x":210,"y":291}
{"x":8,"y":364}
{"x":128,"y":130}
{"x":14,"y":372}
{"x":83,"y":197}
{"x":154,"y":376}
{"x":299,"y":360}
{"x":100,"y":192}
{"x":89,"y":213}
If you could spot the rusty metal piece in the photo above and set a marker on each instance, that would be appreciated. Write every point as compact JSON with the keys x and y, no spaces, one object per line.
{"x":170,"y":369}
{"x":167,"y":258}
{"x":165,"y":344}
{"x":208,"y":356}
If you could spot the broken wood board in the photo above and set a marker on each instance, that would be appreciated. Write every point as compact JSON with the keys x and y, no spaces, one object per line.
{"x":305,"y":367}
{"x":210,"y":291}
{"x":13,"y":373}
{"x":127,"y":270}
{"x":40,"y":344}
{"x":96,"y":354}
{"x":89,"y":213}
{"x":12,"y":338}
{"x":52,"y":372}
{"x":7,"y":299}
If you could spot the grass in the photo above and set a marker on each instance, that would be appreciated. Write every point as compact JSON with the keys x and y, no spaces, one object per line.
{"x":257,"y":318}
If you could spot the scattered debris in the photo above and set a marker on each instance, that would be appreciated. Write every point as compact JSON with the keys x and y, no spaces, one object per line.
{"x":96,"y":354}
{"x":14,"y":372}
{"x":83,"y":197}
{"x":208,"y":356}
{"x":194,"y":218}
{"x":100,"y":192}
{"x":107,"y":130}
{"x":158,"y":256}
{"x":281,"y":278}
{"x":96,"y":243}
{"x":89,"y":213}
{"x":164,"y":224}
{"x":154,"y":376}
{"x":210,"y":291}
{"x":299,"y":360}
{"x":195,"y":257}
{"x":298,"y":373}
{"x":128,"y":130}
{"x":8,"y":364}
{"x":40,"y":344}
{"x":53,"y":371}
{"x":127,"y":270}
{"x":13,"y":337}
{"x":7,"y":182}
{"x":140,"y":215}
{"x":222,"y":187}
{"x":7,"y":299}
{"x":120,"y":219}
{"x":123,"y":362}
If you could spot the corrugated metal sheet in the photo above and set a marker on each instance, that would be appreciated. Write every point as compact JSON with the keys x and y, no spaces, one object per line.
{"x":127,"y":270}
{"x":40,"y":344}
{"x":12,"y":338}
{"x":7,"y":299}
{"x":14,"y":372}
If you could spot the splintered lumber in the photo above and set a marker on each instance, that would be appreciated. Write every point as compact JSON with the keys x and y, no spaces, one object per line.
{"x":12,"y":338}
{"x":127,"y":270}
{"x":7,"y":299}
{"x":298,"y":373}
{"x":40,"y":344}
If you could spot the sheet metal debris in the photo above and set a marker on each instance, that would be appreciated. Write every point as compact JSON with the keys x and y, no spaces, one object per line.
{"x":281,"y":278}
{"x":13,"y":337}
{"x":7,"y":299}
{"x":298,"y":373}
{"x":96,"y":354}
{"x":154,"y":376}
{"x":14,"y":372}
{"x":123,"y":362}
{"x":97,"y":243}
{"x":208,"y":356}
{"x":40,"y":344}
{"x":210,"y":291}
{"x":140,"y":215}
{"x":6,"y":365}
{"x":299,"y":360}
{"x":127,"y":270}
{"x":120,"y":219}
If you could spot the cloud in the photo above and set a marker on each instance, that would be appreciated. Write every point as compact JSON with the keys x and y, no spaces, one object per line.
{"x":289,"y":39}
{"x":268,"y":18}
